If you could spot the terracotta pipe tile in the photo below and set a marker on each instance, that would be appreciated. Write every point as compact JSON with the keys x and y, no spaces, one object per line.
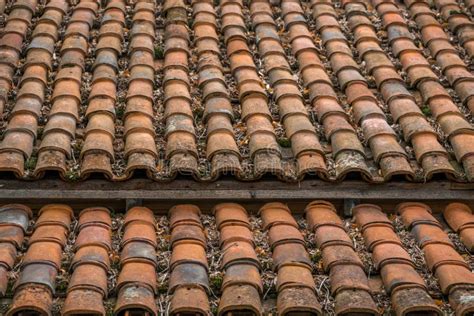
{"x":339,"y":254}
{"x":39,"y":274}
{"x":7,"y":260}
{"x":94,"y":236}
{"x":188,"y":274}
{"x":389,"y":253}
{"x":413,"y":300}
{"x":55,"y":214}
{"x":276,"y":214}
{"x":298,"y":300}
{"x":139,"y":214}
{"x":15,"y":215}
{"x":437,"y":255}
{"x":322,"y":213}
{"x":91,"y":254}
{"x":49,"y":233}
{"x":140,"y":273}
{"x":187,"y":252}
{"x":83,"y":301}
{"x":35,"y":298}
{"x":135,"y":297}
{"x":290,"y":253}
{"x":285,"y":234}
{"x":294,"y":276}
{"x":230,"y":213}
{"x":430,"y":234}
{"x":398,"y":275}
{"x":460,"y":218}
{"x":376,"y":235}
{"x":240,"y":298}
{"x":137,"y":277}
{"x":238,"y":274}
{"x":139,"y":231}
{"x":138,"y":251}
{"x":348,"y":277}
{"x":233,"y":233}
{"x":413,"y":214}
{"x":450,"y":276}
{"x":368,"y":215}
{"x":189,"y":299}
{"x":238,"y":252}
{"x":89,"y":276}
{"x":184,"y":214}
{"x":326,"y":236}
{"x":188,"y":233}
{"x":406,"y":287}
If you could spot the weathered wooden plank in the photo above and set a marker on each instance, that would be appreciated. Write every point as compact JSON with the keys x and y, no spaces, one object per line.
{"x":161,"y":196}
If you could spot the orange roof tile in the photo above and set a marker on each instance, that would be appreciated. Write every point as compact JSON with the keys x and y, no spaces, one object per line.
{"x":204,"y":89}
{"x":101,"y":262}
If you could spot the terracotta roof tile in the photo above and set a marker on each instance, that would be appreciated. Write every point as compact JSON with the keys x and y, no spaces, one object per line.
{"x":97,"y":151}
{"x":452,"y":66}
{"x":445,"y":111}
{"x":13,"y":225}
{"x":136,"y":291}
{"x":113,"y":263}
{"x":453,"y":273}
{"x":241,"y":287}
{"x":236,"y":88}
{"x":88,"y":284}
{"x":460,"y":218}
{"x":295,"y":285}
{"x":401,"y":103}
{"x":189,"y":282}
{"x":407,"y":289}
{"x":35,"y":287}
{"x":347,"y":277}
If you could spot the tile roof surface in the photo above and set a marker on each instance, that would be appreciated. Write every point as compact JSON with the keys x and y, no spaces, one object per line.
{"x":372,"y":89}
{"x":101,"y":262}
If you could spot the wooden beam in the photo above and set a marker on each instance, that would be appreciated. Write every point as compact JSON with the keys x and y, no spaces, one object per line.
{"x":231,"y":190}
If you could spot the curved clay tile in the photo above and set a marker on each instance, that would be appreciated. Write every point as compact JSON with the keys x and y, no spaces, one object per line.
{"x":454,"y":275}
{"x":264,"y":149}
{"x":88,"y":284}
{"x":430,"y":154}
{"x":222,"y":149}
{"x":300,"y":131}
{"x":379,"y":135}
{"x":60,"y":130}
{"x":136,"y":291}
{"x":14,"y":220}
{"x":181,"y":148}
{"x":407,"y":289}
{"x":461,"y":219}
{"x":97,"y":153}
{"x":443,"y":109}
{"x":35,"y":287}
{"x":295,"y":285}
{"x":242,"y":286}
{"x":21,"y":131}
{"x":189,"y":284}
{"x":457,"y":21}
{"x":434,"y":37}
{"x":323,"y":98}
{"x":139,"y":133}
{"x":12,"y":38}
{"x":349,"y":283}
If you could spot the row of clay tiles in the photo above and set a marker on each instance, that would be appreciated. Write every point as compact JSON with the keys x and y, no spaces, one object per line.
{"x":348,"y":152}
{"x":451,"y":121}
{"x":242,"y":287}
